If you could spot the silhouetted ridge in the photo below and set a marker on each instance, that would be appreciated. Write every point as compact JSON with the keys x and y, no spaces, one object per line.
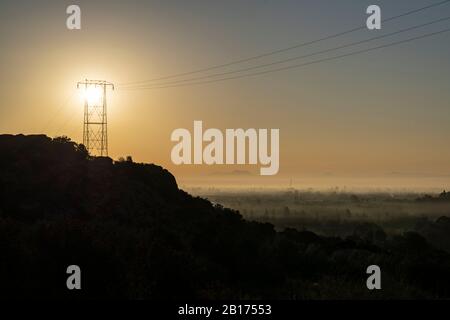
{"x":59,"y":174}
{"x":136,"y":235}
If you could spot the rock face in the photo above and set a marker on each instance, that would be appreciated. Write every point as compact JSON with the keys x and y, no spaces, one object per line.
{"x":135,"y":234}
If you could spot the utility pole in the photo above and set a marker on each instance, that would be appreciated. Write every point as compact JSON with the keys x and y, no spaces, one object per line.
{"x":95,"y":123}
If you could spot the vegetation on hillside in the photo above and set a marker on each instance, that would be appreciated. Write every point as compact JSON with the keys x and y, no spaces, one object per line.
{"x":135,"y":234}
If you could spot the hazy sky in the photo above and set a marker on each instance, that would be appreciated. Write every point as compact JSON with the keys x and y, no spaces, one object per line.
{"x":382,"y":113}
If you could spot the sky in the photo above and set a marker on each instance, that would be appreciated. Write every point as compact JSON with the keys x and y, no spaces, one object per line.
{"x":379,"y":118}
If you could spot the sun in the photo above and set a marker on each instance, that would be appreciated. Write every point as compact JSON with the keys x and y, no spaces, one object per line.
{"x":93,"y":95}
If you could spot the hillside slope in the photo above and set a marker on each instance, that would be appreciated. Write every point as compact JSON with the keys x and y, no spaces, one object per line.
{"x":136,"y":235}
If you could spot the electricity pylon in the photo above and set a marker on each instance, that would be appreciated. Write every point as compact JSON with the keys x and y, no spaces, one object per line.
{"x":95,"y":123}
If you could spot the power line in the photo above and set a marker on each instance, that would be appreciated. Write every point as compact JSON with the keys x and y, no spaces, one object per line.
{"x":304,"y":64}
{"x":58,"y":110}
{"x":64,"y":124}
{"x":295,"y":58}
{"x":284,"y":49}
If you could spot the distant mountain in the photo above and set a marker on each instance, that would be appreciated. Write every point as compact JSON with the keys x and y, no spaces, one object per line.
{"x":136,"y":235}
{"x":233,"y":173}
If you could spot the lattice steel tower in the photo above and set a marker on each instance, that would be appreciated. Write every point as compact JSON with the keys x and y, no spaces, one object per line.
{"x":95,"y":123}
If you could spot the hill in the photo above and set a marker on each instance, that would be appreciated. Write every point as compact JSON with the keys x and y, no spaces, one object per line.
{"x":136,"y":235}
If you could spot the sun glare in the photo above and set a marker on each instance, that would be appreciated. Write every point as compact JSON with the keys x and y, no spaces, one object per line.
{"x":93,"y":95}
